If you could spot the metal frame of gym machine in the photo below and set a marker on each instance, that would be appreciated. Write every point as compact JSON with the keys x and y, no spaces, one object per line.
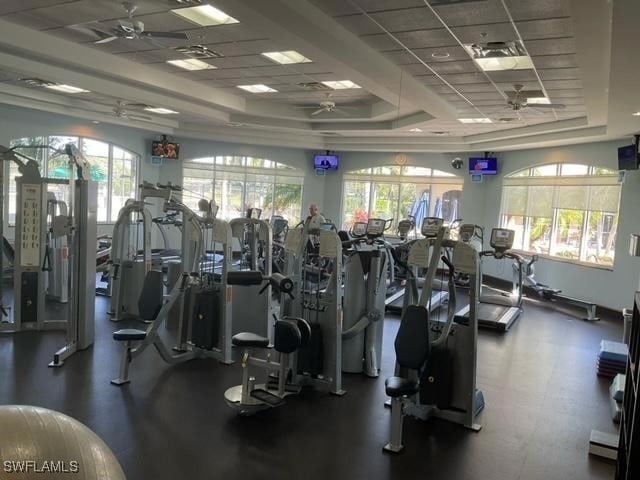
{"x":81,"y":230}
{"x":459,"y":334}
{"x":186,"y":350}
{"x":316,"y":305}
{"x":256,"y":235}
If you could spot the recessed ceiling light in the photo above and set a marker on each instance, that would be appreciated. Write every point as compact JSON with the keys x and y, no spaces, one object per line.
{"x":341,"y":84}
{"x":60,"y":87}
{"x":160,"y":110}
{"x":192,"y":64}
{"x":416,"y":130}
{"x":538,"y":100}
{"x":205,"y":15}
{"x":287,"y":57}
{"x":636,"y":114}
{"x":95,"y":122}
{"x":259,"y":88}
{"x":234,"y":124}
{"x":440,"y":55}
{"x":475,"y":120}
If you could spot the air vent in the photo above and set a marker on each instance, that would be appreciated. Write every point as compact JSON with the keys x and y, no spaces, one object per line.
{"x":439,"y":133}
{"x":496,"y":49}
{"x":199,"y":51}
{"x":315,"y":86}
{"x":507,"y":119}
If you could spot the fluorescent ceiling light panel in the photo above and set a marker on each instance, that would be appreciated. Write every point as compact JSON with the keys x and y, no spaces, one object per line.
{"x":65,"y":88}
{"x":341,"y":84}
{"x":492,"y":64}
{"x":538,"y":101}
{"x":160,"y":110}
{"x":205,"y":15}
{"x":416,"y":130}
{"x":259,"y":88}
{"x":475,"y":120}
{"x":636,"y":114}
{"x":285,"y":58}
{"x":192,"y":64}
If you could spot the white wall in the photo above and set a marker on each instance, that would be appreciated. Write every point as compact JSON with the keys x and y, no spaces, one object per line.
{"x":612,"y":288}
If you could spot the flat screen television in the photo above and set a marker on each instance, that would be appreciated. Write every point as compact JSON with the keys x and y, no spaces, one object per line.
{"x":325,"y":162}
{"x":165,"y":149}
{"x":628,"y":157}
{"x":483,"y":166}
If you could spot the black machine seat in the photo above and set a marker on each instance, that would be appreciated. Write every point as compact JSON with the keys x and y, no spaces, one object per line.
{"x":129,"y":334}
{"x":151,"y":297}
{"x":248,"y":339}
{"x":398,"y":386}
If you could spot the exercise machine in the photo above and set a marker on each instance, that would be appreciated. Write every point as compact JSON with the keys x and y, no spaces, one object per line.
{"x":545,"y":292}
{"x":436,"y":360}
{"x":317,"y":275}
{"x":290,"y":334}
{"x":253,"y":312}
{"x":78,"y":226}
{"x":365,"y":277}
{"x":500,"y":310}
{"x":201,"y":296}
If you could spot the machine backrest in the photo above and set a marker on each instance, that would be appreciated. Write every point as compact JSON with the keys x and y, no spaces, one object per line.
{"x":151,"y":297}
{"x":412,"y":341}
{"x":286,"y":336}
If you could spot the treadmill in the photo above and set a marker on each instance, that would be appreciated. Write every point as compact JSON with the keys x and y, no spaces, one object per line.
{"x":500,"y":310}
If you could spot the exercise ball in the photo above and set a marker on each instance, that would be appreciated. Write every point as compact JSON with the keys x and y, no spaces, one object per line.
{"x":36,"y":443}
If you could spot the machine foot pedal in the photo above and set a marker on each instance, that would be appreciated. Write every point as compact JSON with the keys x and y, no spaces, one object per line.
{"x":267,"y":397}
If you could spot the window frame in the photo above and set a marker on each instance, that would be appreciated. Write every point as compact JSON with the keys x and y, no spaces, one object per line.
{"x":595,"y":176}
{"x":44,"y":170}
{"x":373,"y":178}
{"x":240,"y":166}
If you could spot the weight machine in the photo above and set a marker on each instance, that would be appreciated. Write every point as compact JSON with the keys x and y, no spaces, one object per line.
{"x":32,"y":251}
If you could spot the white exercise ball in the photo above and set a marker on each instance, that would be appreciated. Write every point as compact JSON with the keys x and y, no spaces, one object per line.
{"x":36,"y":443}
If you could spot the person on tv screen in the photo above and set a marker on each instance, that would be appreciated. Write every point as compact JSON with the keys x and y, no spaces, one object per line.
{"x":325,"y":163}
{"x":158,"y":149}
{"x":171,"y":151}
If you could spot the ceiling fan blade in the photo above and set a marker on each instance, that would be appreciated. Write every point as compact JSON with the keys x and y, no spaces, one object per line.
{"x":317,"y":112}
{"x":176,"y":35}
{"x":546,"y":105}
{"x":106,"y":39}
{"x":302,"y":108}
{"x":138,"y":117}
{"x":340,"y":110}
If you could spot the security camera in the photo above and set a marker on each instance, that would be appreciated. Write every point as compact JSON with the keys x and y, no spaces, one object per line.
{"x":456,"y":163}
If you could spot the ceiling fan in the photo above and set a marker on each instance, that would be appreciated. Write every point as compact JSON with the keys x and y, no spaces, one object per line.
{"x":327,"y":105}
{"x":128,"y":29}
{"x":518,"y":99}
{"x":121,"y":111}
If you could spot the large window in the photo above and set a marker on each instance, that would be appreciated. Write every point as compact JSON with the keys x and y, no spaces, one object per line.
{"x":238,"y":183}
{"x":113,"y":168}
{"x":395,"y":192}
{"x":567,"y":211}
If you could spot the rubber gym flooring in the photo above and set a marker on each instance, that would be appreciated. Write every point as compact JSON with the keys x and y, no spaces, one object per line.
{"x":542,"y":394}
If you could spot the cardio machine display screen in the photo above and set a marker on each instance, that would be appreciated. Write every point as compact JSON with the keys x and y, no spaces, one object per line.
{"x":431,"y":226}
{"x":502,"y":237}
{"x":375,"y":226}
{"x":359,"y":229}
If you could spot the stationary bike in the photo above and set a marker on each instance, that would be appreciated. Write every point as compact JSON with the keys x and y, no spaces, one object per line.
{"x":289,"y":334}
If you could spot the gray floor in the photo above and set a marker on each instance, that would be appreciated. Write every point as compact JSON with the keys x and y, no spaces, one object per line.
{"x":542,"y":394}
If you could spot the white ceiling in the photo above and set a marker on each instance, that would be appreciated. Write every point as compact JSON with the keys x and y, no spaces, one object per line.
{"x":386,"y":46}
